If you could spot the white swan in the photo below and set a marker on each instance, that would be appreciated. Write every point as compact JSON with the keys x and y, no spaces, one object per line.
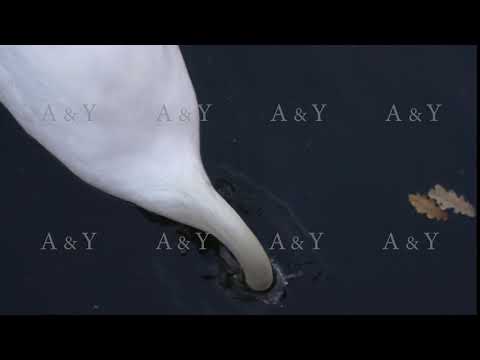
{"x":97,"y":109}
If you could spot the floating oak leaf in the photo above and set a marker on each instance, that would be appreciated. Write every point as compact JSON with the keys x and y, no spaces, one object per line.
{"x":450,"y":200}
{"x":427,"y":206}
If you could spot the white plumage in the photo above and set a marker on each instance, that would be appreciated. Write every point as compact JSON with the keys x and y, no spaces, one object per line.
{"x":123,"y":146}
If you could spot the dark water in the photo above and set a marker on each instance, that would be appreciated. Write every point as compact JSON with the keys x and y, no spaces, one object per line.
{"x":348,"y":177}
{"x":267,"y":216}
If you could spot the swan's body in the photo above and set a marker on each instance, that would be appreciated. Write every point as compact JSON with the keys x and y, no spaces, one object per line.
{"x":126,"y":146}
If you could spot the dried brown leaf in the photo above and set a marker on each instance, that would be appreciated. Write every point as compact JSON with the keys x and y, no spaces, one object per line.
{"x":450,"y":200}
{"x":427,"y":206}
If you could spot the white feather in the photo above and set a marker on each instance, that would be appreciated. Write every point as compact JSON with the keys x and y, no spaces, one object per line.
{"x":125,"y":150}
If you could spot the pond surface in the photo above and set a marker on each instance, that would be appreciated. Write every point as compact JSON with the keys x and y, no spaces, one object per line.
{"x":346,"y":177}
